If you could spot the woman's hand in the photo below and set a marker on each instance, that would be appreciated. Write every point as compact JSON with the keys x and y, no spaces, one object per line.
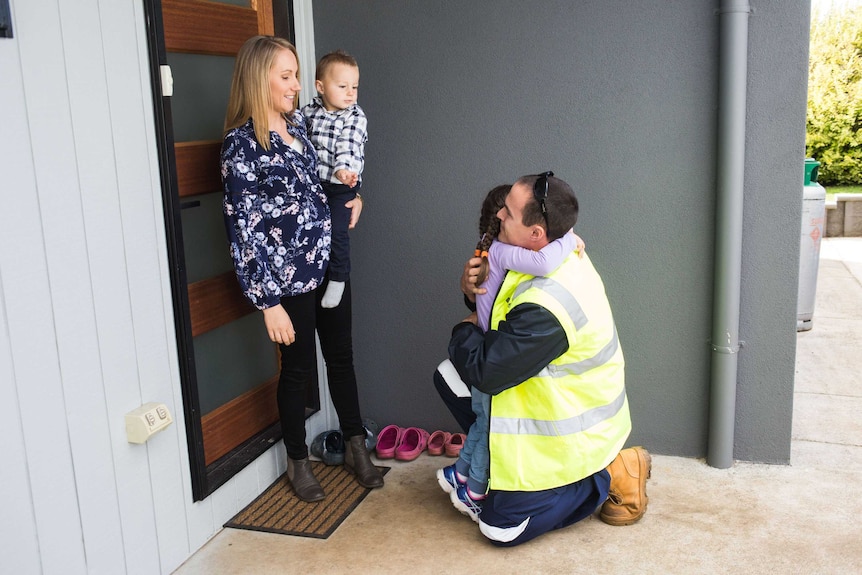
{"x":278,"y":325}
{"x":468,"y":278}
{"x":356,"y":206}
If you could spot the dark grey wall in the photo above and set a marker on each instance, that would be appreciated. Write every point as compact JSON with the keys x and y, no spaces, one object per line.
{"x":619,"y":98}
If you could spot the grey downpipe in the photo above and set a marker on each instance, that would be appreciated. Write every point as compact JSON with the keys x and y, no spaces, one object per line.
{"x":732,"y":84}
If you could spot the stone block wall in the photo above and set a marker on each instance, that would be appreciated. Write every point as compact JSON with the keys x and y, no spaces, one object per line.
{"x":844,"y":216}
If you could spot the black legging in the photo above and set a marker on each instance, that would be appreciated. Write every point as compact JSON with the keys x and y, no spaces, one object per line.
{"x":299,"y":366}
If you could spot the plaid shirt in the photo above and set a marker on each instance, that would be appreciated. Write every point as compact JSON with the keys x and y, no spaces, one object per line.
{"x":339,"y":138}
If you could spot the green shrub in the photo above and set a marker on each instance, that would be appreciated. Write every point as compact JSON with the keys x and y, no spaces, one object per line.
{"x":834,"y":122}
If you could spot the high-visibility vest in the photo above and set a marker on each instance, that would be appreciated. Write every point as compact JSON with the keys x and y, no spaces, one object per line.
{"x":571,"y":419}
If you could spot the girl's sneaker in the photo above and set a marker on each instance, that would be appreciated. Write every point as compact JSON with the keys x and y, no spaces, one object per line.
{"x":465,"y":504}
{"x":448,"y":479}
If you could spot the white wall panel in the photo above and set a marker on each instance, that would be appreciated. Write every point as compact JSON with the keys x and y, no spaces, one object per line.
{"x":223,"y":504}
{"x":19,"y":544}
{"x":36,"y":337}
{"x":160,"y":513}
{"x":112,"y":354}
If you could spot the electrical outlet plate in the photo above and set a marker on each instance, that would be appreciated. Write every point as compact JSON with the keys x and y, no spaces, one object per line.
{"x":147,"y":420}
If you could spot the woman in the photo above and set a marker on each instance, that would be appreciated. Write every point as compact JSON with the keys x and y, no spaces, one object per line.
{"x":279,"y":227}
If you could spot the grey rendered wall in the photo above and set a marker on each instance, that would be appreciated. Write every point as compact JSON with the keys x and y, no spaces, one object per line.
{"x":620,"y":100}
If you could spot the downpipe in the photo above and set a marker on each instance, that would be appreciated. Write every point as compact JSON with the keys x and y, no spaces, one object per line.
{"x":732,"y":85}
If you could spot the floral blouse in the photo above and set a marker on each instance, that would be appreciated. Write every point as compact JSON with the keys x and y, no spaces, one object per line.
{"x":277,"y":218}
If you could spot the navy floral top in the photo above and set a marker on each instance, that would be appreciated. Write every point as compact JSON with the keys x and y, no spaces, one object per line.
{"x":276,"y":214}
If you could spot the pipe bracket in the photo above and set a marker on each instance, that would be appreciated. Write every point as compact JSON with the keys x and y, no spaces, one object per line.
{"x":728,"y":350}
{"x":745,"y":10}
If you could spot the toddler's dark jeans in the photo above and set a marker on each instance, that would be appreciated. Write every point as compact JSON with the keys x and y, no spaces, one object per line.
{"x":339,"y":257}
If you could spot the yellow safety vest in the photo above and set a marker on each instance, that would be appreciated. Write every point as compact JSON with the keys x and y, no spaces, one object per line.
{"x":572,"y":418}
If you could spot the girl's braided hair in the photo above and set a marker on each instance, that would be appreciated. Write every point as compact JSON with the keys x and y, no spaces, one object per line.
{"x":489,"y":227}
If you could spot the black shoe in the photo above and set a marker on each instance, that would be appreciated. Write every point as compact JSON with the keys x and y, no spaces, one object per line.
{"x":329,"y":447}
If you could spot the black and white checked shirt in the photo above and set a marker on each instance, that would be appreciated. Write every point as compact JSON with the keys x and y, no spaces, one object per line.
{"x":338,"y":137}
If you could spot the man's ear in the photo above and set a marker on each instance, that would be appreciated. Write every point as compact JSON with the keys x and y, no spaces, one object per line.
{"x":538,"y":233}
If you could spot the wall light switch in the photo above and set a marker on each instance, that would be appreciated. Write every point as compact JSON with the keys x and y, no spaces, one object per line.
{"x":147,"y":420}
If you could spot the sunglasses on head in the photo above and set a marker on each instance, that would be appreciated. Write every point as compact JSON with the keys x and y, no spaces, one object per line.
{"x":540,"y":192}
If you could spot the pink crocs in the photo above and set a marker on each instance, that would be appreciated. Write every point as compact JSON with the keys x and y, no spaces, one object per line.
{"x":387,"y":440}
{"x":437,"y":442}
{"x":454,"y":444}
{"x":413,"y":442}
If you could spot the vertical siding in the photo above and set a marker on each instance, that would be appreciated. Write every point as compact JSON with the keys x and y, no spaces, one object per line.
{"x":42,"y":337}
{"x":19,"y":269}
{"x":87,"y":325}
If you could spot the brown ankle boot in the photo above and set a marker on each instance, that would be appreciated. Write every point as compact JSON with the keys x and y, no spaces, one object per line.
{"x":357,"y":461}
{"x":303,"y":481}
{"x":627,"y":497}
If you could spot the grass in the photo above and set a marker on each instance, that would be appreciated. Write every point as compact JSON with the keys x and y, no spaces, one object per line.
{"x":832,"y":190}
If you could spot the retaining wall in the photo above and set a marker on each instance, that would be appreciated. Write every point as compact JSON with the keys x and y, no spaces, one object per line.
{"x":844,"y":216}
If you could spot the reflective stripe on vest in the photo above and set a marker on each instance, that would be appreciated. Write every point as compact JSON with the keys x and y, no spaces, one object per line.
{"x":602,"y":357}
{"x":574,"y":424}
{"x":559,"y":293}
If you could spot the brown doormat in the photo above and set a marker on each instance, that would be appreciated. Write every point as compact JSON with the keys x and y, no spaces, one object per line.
{"x":279,"y":510}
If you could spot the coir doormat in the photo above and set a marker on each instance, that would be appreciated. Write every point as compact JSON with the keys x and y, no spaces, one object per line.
{"x":279,"y":510}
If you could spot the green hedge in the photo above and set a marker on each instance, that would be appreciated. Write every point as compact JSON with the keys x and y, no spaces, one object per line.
{"x":834,"y":122}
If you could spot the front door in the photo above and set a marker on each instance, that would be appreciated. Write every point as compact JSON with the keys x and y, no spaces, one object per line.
{"x":228,"y":364}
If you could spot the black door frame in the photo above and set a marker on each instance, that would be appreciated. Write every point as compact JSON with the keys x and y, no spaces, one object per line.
{"x":205,"y":479}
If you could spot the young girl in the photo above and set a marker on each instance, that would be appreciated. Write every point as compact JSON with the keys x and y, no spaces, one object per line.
{"x":466,"y":480}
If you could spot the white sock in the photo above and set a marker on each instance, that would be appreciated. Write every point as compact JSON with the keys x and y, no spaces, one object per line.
{"x":332,"y":295}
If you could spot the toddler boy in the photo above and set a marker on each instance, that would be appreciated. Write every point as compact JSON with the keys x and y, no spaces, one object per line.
{"x":338,"y":129}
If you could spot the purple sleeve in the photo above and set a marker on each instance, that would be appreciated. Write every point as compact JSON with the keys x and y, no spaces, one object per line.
{"x":540,"y":263}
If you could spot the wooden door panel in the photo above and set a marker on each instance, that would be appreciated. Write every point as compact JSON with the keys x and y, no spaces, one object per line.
{"x":198,"y":167}
{"x":201,"y":27}
{"x":238,"y":420}
{"x":216,"y":301}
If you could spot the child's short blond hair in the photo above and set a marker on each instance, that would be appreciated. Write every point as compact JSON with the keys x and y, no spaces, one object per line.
{"x":337,"y":57}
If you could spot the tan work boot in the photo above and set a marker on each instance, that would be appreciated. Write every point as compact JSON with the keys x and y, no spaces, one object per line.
{"x":627,"y":497}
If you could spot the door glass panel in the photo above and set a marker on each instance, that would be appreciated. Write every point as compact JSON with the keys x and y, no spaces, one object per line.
{"x":237,"y":357}
{"x":201,"y":93}
{"x":204,"y":238}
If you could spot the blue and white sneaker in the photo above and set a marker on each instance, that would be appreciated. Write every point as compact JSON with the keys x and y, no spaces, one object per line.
{"x":465,"y":504}
{"x":448,"y":479}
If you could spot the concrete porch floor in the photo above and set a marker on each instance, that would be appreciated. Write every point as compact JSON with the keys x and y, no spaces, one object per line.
{"x":751,"y":518}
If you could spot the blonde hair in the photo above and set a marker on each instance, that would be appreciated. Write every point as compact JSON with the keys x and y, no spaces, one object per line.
{"x":249,"y":89}
{"x":329,"y":60}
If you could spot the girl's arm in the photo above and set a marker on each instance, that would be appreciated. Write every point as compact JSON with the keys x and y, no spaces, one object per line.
{"x":538,"y":263}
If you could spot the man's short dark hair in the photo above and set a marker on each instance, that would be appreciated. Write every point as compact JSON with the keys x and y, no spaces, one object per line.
{"x":561,"y":207}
